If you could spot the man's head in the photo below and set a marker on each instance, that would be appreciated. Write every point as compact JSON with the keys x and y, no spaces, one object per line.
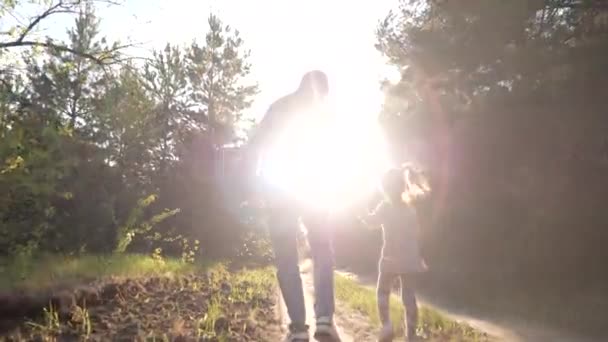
{"x":314,"y":84}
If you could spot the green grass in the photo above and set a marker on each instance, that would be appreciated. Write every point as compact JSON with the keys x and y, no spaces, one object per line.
{"x":43,"y":272}
{"x":246,"y":286}
{"x":431,"y":323}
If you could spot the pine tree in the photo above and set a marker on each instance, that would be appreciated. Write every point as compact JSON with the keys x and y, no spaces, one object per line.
{"x":67,"y":86}
{"x":218,"y":72}
{"x":166,"y":83}
{"x":128,"y":124}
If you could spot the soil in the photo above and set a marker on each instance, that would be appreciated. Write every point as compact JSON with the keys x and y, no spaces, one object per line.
{"x":147,"y":309}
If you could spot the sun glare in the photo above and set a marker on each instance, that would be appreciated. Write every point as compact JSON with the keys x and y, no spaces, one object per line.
{"x":332,"y":165}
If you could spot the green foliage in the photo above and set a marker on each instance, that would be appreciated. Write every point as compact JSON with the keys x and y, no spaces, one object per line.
{"x":165,"y":81}
{"x":488,"y":54}
{"x":34,"y":164}
{"x":66,"y":85}
{"x":134,"y":224}
{"x":507,"y":76}
{"x":256,"y":247}
{"x":124,"y":113}
{"x":83,"y":145}
{"x":217,"y":71}
{"x":27,"y":34}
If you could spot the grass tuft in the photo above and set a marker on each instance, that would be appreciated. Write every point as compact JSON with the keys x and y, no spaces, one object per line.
{"x":44,"y":272}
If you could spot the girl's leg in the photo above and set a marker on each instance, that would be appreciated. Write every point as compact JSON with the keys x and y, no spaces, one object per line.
{"x":408,"y":296}
{"x":383,"y":293}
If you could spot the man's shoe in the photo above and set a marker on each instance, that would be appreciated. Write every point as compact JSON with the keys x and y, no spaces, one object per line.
{"x":326,"y":330}
{"x":414,"y":338}
{"x":386,"y":333}
{"x":301,"y":336}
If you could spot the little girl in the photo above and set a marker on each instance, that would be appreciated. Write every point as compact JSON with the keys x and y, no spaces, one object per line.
{"x":400,"y":250}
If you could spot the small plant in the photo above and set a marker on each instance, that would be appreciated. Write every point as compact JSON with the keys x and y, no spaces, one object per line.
{"x":189,"y":252}
{"x":135,"y":225}
{"x":218,"y":274}
{"x":51,"y":318}
{"x":206,"y":325}
{"x":81,"y":316}
{"x":157,"y":255}
{"x":256,"y":246}
{"x":51,"y":324}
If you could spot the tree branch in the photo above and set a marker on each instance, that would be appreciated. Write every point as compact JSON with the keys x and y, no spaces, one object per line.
{"x":62,"y":6}
{"x":50,"y":11}
{"x":104,"y":57}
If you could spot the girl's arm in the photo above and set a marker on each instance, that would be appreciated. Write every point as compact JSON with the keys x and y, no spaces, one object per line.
{"x":366,"y":223}
{"x":419,"y":239}
{"x":418,"y":225}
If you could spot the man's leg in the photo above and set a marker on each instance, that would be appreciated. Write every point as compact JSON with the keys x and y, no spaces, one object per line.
{"x":283,"y":227}
{"x":319,"y":239}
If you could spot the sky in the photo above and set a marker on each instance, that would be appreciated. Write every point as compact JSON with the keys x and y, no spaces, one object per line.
{"x":286,"y":38}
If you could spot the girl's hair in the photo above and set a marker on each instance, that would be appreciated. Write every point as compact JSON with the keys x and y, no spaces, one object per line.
{"x":405,"y":184}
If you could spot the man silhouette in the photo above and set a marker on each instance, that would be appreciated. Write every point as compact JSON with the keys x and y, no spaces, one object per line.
{"x":305,"y":103}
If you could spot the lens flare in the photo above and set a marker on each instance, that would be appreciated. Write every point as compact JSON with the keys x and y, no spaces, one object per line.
{"x":329,"y":165}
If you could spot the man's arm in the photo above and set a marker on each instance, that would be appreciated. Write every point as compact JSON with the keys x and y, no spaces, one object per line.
{"x":263,"y":133}
{"x":254,"y":148}
{"x":374,"y":219}
{"x":250,"y":153}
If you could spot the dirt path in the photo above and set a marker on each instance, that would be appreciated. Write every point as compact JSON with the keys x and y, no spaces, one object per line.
{"x":509,"y":331}
{"x":503,"y":331}
{"x":351,"y":325}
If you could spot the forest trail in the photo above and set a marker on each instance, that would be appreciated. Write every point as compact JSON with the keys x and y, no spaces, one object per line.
{"x":503,"y":330}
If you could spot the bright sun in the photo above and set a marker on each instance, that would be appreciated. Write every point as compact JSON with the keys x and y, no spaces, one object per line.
{"x":331,"y":165}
